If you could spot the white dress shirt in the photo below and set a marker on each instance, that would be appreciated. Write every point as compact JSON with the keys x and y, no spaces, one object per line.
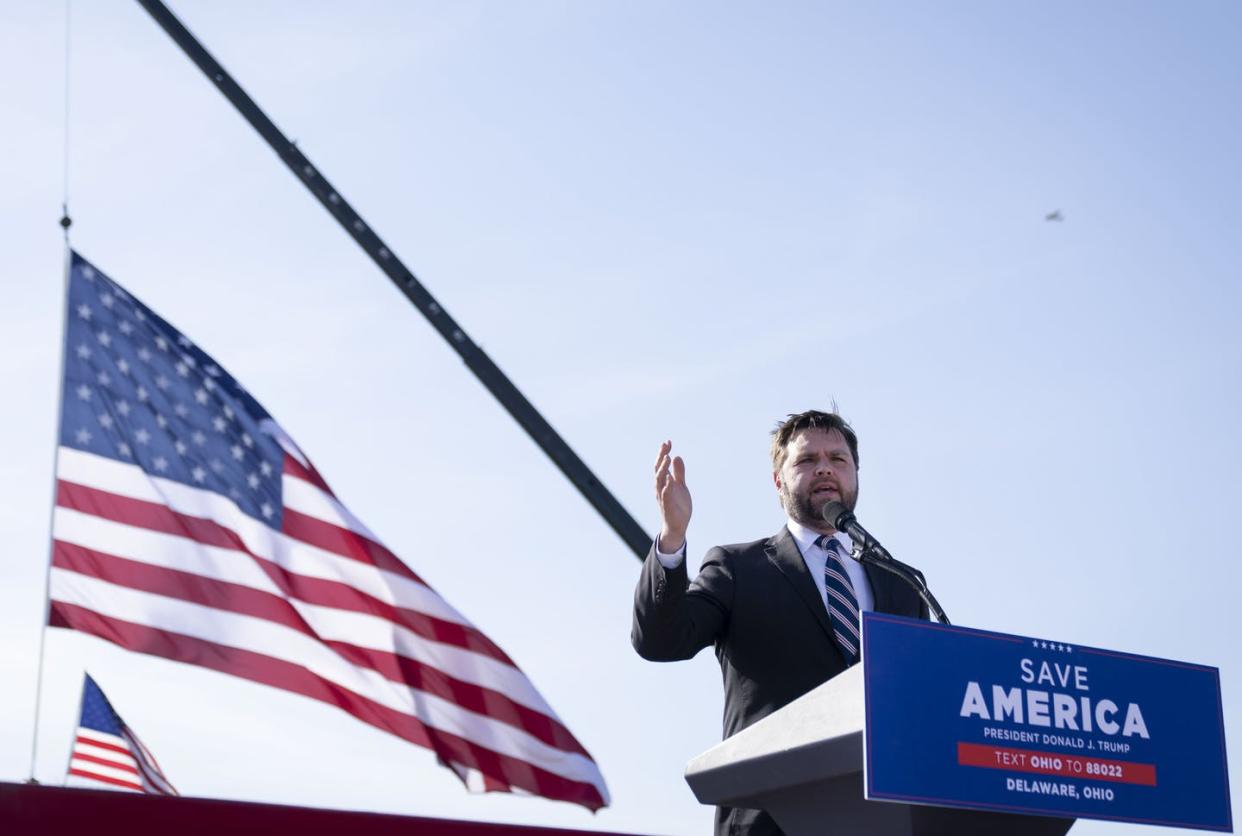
{"x":814,"y":557}
{"x":816,"y":560}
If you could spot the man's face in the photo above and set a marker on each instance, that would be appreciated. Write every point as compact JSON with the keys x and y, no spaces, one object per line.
{"x":818,"y":469}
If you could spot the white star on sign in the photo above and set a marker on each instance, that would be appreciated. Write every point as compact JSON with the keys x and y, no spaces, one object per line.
{"x":142,"y":393}
{"x":104,"y":378}
{"x":84,"y":351}
{"x":107,"y":300}
{"x":183,"y":369}
{"x":181,"y":409}
{"x":142,"y":436}
{"x":253,"y":480}
{"x":184,"y":341}
{"x":123,"y":365}
{"x":266,"y":509}
{"x":161,"y":343}
{"x":83,"y":436}
{"x":160,"y":463}
{"x":124,"y":449}
{"x":237,"y":452}
{"x":199,"y":474}
{"x":228,"y":412}
{"x":162,"y":382}
{"x":180,"y":447}
{"x":201,"y":396}
{"x":216,"y":465}
{"x":209,"y":384}
{"x":247,"y":440}
{"x":84,"y":392}
{"x":105,"y":339}
{"x":125,"y":328}
{"x":199,"y":438}
{"x":161,"y":421}
{"x":144,"y":354}
{"x":189,"y":360}
{"x":122,"y":407}
{"x":105,"y":421}
{"x":213,"y":370}
{"x":219,"y":423}
{"x":84,"y":312}
{"x":265,"y":468}
{"x":88,"y":272}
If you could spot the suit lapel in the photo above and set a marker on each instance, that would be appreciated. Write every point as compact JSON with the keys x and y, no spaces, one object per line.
{"x":782,"y":551}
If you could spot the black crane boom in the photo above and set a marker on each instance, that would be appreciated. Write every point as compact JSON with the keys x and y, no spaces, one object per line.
{"x":488,"y":373}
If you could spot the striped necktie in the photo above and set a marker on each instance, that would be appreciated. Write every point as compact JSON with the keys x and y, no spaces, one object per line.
{"x":842,"y":605}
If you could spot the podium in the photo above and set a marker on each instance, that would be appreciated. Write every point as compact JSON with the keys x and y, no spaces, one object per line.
{"x":948,"y":729}
{"x":804,"y":766}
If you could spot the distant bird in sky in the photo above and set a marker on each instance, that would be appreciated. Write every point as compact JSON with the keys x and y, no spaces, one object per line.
{"x":1054,"y":216}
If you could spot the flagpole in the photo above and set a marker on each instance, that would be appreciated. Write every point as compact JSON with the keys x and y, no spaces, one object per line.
{"x":65,"y":222}
{"x":47,"y":578}
{"x":484,"y":368}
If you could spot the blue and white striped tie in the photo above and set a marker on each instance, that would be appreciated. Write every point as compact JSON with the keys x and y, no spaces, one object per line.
{"x":842,"y":604}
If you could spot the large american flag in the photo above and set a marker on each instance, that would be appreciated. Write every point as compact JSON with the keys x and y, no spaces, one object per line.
{"x":189,"y":525}
{"x":107,"y":752}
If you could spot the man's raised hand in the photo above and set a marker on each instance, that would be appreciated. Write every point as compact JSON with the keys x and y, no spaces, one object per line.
{"x":673,"y":497}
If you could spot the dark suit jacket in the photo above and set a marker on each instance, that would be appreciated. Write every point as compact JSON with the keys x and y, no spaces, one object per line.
{"x":760,"y":607}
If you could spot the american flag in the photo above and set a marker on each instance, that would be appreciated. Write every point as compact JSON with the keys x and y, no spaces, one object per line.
{"x":106,"y":751}
{"x":189,"y":525}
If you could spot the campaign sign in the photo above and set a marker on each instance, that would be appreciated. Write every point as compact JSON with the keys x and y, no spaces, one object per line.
{"x":968,"y":718}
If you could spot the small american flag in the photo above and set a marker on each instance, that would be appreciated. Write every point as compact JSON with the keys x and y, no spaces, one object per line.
{"x":106,"y":751}
{"x":189,"y":525}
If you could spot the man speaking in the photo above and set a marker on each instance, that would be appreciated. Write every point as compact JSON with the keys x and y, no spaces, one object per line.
{"x":782,"y":612}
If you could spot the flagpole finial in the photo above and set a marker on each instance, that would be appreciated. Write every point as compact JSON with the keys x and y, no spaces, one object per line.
{"x":65,"y":220}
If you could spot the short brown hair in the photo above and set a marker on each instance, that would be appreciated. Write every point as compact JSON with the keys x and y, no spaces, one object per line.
{"x":812,"y":419}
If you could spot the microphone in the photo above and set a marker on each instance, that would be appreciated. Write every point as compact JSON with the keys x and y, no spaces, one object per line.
{"x":870,"y":551}
{"x":842,"y":519}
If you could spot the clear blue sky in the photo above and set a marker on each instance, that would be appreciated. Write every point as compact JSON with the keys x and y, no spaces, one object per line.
{"x":663,"y":222}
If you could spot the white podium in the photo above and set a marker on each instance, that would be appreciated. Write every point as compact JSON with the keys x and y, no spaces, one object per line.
{"x":804,"y":765}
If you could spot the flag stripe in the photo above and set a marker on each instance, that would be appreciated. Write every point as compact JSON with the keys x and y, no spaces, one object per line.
{"x":87,"y":771}
{"x":277,"y":641}
{"x":257,"y":596}
{"x":129,"y":765}
{"x":102,"y":744}
{"x":148,"y":768}
{"x":305,"y":472}
{"x":321,"y":590}
{"x":343,"y":542}
{"x":100,"y":738}
{"x":82,"y":758}
{"x":279,"y":673}
{"x":301,"y":493}
{"x":245,"y":601}
{"x":303,"y":557}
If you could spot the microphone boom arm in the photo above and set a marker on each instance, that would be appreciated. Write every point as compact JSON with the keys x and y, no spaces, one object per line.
{"x":867,"y":549}
{"x":880,"y":557}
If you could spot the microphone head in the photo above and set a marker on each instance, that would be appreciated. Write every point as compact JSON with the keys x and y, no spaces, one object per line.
{"x":837,"y":515}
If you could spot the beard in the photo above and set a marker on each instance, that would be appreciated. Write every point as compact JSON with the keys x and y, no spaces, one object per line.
{"x":808,"y":512}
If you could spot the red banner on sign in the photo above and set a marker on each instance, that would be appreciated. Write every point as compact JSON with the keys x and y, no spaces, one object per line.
{"x":1052,"y":763}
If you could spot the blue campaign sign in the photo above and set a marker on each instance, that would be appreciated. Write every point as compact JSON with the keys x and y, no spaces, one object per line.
{"x":968,"y":718}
